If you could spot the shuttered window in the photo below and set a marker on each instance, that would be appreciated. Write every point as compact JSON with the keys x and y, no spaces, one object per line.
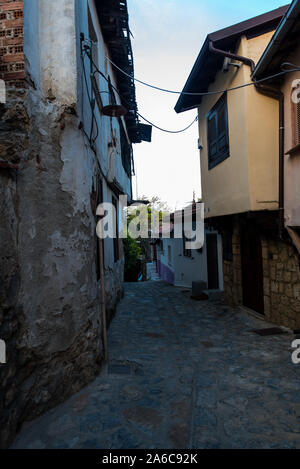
{"x":217,"y":133}
{"x":297,"y":124}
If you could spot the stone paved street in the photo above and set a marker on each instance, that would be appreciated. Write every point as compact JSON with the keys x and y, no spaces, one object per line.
{"x":181,"y":374}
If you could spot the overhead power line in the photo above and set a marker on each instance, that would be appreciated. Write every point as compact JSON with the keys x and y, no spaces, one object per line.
{"x":169,"y":131}
{"x":146,"y":120}
{"x":207,"y":93}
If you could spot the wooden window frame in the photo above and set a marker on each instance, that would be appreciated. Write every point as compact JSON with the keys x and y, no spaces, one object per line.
{"x":296,"y":120}
{"x":218,"y":148}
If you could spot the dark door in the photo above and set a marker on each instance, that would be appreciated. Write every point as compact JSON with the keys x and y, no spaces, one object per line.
{"x":252,"y":269}
{"x":212,"y":261}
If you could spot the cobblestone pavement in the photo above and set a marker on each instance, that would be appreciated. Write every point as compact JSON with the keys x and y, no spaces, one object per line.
{"x":181,"y":374}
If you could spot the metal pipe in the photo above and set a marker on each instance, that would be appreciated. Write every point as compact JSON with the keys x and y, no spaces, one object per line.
{"x":233,"y":56}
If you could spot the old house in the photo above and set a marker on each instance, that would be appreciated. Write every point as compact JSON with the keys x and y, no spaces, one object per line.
{"x":66,"y":146}
{"x":241,"y":168}
{"x":181,"y":266}
{"x":283,"y":53}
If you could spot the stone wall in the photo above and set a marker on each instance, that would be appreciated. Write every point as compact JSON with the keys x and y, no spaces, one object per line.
{"x":50,"y":314}
{"x":281,"y":277}
{"x":232,"y":272}
{"x":281,"y":283}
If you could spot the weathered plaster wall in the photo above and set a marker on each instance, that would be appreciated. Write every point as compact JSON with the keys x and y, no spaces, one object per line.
{"x":9,"y":285}
{"x":50,"y":309}
{"x":52,"y":67}
{"x":50,"y":315}
{"x":109,"y":130}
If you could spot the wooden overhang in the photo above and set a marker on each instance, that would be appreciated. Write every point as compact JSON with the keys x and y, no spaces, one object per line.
{"x":208,"y":64}
{"x":114,"y":20}
{"x":284,"y":41}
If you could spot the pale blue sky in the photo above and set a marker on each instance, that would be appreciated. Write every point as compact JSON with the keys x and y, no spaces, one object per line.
{"x":168,"y":35}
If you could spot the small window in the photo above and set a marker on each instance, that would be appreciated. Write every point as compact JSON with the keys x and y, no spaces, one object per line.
{"x":217,"y":133}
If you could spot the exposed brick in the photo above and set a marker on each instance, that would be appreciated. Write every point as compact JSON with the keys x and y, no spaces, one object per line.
{"x":11,"y":30}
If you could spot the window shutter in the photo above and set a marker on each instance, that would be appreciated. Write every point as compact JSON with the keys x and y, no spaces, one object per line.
{"x":212,"y":135}
{"x":297,"y":130}
{"x":217,"y":133}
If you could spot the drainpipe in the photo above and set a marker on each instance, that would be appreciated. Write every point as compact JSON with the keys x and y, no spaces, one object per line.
{"x":230,"y":55}
{"x":275,"y":94}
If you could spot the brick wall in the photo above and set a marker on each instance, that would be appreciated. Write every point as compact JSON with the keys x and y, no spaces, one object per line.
{"x":12,"y":42}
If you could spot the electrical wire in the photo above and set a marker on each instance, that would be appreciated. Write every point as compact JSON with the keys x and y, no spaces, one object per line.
{"x":169,"y":131}
{"x":207,"y":93}
{"x":124,"y":100}
{"x":91,"y":105}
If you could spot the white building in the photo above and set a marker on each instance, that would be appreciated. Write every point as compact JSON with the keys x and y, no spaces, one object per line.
{"x":181,"y":267}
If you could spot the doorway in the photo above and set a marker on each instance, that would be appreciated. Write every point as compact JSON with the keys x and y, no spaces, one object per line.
{"x":252,"y":269}
{"x":212,"y":261}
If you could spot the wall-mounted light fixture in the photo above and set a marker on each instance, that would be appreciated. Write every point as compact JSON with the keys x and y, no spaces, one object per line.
{"x":114,"y":110}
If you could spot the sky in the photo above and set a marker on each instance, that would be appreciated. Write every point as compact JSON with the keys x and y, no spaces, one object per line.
{"x":167,"y":38}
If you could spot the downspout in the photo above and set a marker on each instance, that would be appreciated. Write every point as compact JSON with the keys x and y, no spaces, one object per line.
{"x":233,"y":56}
{"x":275,"y":94}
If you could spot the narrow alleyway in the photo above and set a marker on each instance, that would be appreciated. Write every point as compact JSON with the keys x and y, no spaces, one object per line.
{"x":182,"y":374}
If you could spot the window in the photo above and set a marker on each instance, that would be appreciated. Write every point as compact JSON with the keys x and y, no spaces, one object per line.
{"x":217,"y":133}
{"x":116,"y":230}
{"x":296,"y":115}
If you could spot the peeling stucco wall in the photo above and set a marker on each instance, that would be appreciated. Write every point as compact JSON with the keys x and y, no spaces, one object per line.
{"x":50,"y":313}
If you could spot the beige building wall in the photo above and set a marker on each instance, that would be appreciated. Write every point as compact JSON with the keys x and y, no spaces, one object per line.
{"x":292,"y":161}
{"x":248,"y":179}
